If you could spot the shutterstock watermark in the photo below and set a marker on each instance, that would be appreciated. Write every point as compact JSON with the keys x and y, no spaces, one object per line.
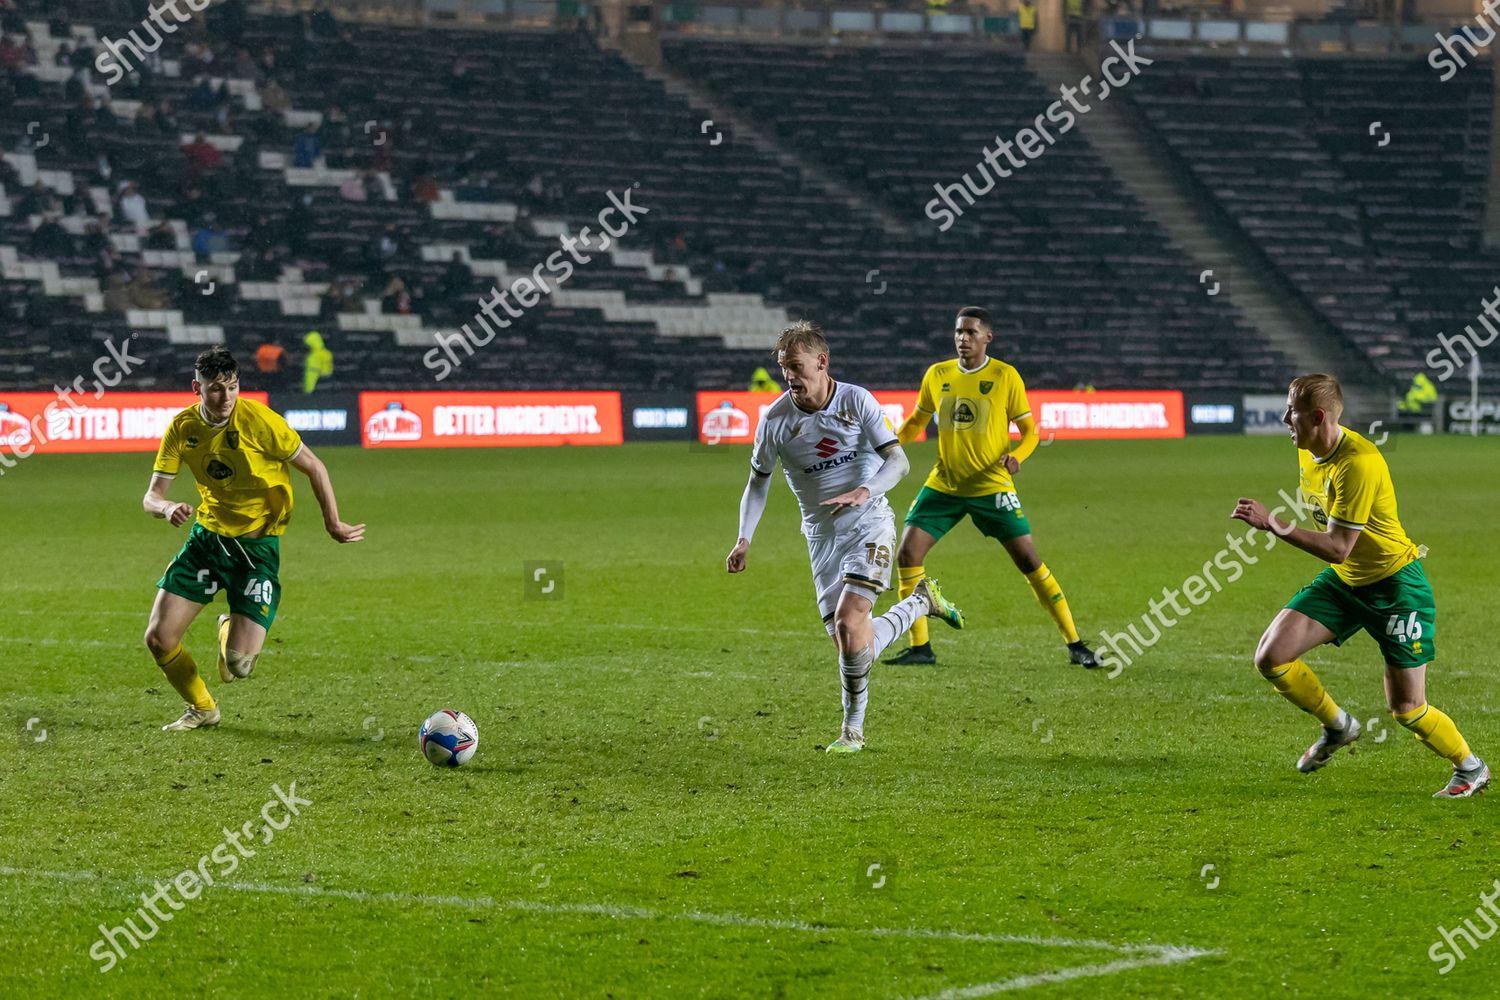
{"x":1473,"y":935}
{"x":1446,"y":59}
{"x":1198,"y":588}
{"x":1035,"y":139}
{"x":443,"y":359}
{"x":113,"y":62}
{"x":108,"y":950}
{"x":1470,"y":340}
{"x":19,"y":439}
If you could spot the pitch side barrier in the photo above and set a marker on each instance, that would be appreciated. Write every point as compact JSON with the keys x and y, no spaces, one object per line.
{"x":134,"y":421}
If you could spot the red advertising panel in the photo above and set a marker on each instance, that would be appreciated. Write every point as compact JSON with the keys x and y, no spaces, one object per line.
{"x":1065,"y":416}
{"x":732,"y":417}
{"x":488,"y":419}
{"x":118,"y":421}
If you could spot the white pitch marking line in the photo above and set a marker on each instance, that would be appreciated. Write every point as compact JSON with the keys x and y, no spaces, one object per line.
{"x":1165,"y":956}
{"x":1145,"y":954}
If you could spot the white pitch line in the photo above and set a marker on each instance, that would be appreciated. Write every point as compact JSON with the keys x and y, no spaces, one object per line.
{"x":1165,"y":956}
{"x":1142,"y":955}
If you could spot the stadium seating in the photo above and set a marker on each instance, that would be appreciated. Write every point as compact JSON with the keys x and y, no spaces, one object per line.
{"x":486,"y":145}
{"x":1362,"y":179}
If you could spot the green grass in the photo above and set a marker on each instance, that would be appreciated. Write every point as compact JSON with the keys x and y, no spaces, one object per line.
{"x":649,"y":813}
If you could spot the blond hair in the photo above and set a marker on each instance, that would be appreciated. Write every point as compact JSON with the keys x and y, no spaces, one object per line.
{"x":803,"y":335}
{"x":1318,"y":392}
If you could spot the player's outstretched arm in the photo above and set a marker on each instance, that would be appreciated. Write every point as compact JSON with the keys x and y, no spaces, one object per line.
{"x":1331,"y":546}
{"x":317,"y":473}
{"x":914,"y":424}
{"x":156,"y":504}
{"x":752,"y":506}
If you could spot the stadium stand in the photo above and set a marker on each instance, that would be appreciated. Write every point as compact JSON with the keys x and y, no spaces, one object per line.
{"x":1362,"y":179}
{"x":300,"y":173}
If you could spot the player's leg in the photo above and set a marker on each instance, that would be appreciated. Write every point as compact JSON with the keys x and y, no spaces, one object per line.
{"x":190,"y":581}
{"x":171,"y":615}
{"x":1001,"y":517}
{"x":1401,"y":614}
{"x":1406,"y":696}
{"x":1278,"y":657}
{"x":254,"y":596}
{"x":915,"y":544}
{"x":931,"y":515}
{"x":852,"y":634}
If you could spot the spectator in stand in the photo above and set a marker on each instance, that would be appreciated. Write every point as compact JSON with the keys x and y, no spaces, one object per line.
{"x":202,"y":98}
{"x":353,"y":188}
{"x":270,"y":361}
{"x":459,"y":82}
{"x":396,"y":298}
{"x":319,"y":362}
{"x":133,"y":207}
{"x":210,"y":238}
{"x":307,"y":147}
{"x":323,"y":23}
{"x":161,"y":237}
{"x":425,"y":188}
{"x":457,"y":279}
{"x":117,"y":292}
{"x":15,"y":54}
{"x":245,"y":67}
{"x":203,"y":157}
{"x":274,"y":98}
{"x":143,"y":291}
{"x":50,"y":240}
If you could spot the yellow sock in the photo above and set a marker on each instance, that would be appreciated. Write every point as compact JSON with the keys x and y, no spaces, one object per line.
{"x":182,"y":674}
{"x":1049,"y":592}
{"x":1433,"y":728}
{"x":1300,"y":686}
{"x":910,"y":577}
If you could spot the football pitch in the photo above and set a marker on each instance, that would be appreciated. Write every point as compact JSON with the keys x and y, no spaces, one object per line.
{"x":650,"y":812}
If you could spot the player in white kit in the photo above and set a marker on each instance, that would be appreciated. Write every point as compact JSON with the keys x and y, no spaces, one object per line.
{"x":840,"y":458}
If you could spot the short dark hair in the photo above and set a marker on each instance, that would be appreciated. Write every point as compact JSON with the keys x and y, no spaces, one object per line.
{"x":975,"y":312}
{"x":214,"y":363}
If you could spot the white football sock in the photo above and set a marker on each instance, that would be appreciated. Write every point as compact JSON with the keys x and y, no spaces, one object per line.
{"x":854,"y":673}
{"x":897,"y":621}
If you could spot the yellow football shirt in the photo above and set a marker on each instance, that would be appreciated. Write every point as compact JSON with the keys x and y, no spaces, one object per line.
{"x":1352,"y":486}
{"x":974,"y":413}
{"x":241,"y":467}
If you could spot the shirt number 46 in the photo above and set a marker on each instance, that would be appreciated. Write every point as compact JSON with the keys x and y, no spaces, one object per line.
{"x":1404,"y":628}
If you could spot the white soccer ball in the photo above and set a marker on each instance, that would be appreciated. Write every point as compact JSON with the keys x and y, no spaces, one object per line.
{"x":448,"y":738}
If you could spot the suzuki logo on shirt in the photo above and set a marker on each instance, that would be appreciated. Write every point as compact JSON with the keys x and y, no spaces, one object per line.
{"x":826,"y":449}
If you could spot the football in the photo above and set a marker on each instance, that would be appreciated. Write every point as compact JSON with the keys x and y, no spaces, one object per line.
{"x":448,"y":738}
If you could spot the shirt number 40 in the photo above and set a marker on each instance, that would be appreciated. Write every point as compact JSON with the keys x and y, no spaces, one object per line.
{"x":259,"y":591}
{"x":1404,"y":628}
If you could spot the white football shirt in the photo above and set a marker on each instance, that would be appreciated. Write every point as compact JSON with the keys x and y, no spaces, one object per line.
{"x":825,"y":453}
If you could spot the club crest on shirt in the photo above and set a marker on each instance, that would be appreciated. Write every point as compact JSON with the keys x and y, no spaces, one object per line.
{"x":232,"y":438}
{"x":847,"y":417}
{"x":985,"y":387}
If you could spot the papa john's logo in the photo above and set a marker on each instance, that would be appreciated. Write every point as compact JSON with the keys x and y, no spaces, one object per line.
{"x":15,"y":430}
{"x":724,"y":421}
{"x":826,"y":448}
{"x":394,"y":423}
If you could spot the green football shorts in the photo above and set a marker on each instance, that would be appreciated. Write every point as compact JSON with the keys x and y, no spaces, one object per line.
{"x":245,"y":569}
{"x":998,"y":515}
{"x":1399,"y":612}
